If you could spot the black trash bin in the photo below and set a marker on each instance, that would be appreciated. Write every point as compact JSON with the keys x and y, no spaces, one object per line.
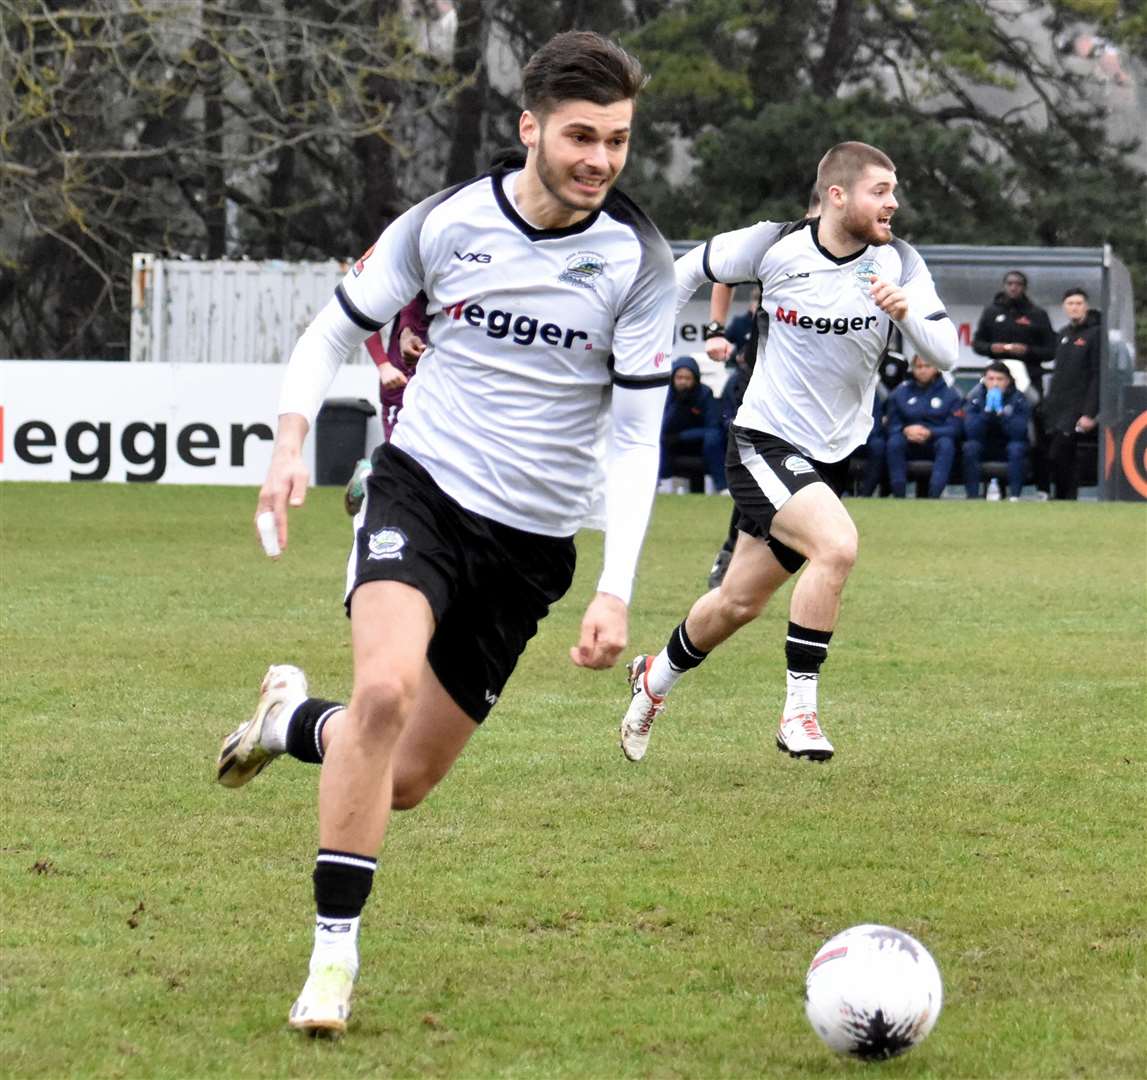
{"x":340,"y":438}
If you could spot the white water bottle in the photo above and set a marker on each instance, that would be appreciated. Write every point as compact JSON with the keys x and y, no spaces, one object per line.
{"x":993,"y":490}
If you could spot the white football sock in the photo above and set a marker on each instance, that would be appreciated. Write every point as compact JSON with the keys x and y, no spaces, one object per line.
{"x":662,"y":676}
{"x":801,"y":689}
{"x":273,"y":737}
{"x":336,"y":942}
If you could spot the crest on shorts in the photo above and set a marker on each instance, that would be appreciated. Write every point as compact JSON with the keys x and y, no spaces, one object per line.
{"x":797,"y":465}
{"x":865,"y":269}
{"x":387,"y":543}
{"x":583,"y":268}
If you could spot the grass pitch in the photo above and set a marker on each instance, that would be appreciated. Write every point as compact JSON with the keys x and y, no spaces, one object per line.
{"x":552,"y":910}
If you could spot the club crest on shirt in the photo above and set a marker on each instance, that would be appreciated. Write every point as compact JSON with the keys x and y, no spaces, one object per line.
{"x":864,"y":270}
{"x":583,"y":268}
{"x":796,"y":465}
{"x":386,"y":543}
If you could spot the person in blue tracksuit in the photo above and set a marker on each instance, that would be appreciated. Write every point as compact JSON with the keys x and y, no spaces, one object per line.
{"x":923,"y":424}
{"x":996,"y":419}
{"x":691,"y":423}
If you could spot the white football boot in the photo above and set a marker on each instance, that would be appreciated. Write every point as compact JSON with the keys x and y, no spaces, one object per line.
{"x":800,"y":736}
{"x":243,"y":756}
{"x":644,"y":708}
{"x":323,"y":1006}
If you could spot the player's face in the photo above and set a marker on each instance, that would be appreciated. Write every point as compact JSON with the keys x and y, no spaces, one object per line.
{"x":996,"y":380}
{"x":1075,"y":307}
{"x":579,"y":149}
{"x":683,"y":380}
{"x":870,"y":204}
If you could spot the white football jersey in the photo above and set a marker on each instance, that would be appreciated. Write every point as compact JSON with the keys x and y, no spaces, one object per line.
{"x":816,"y":372}
{"x":528,"y":328}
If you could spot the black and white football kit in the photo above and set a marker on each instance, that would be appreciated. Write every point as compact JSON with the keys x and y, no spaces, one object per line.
{"x":537,"y":338}
{"x":808,"y":405}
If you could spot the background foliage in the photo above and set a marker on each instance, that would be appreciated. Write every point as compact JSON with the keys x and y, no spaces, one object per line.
{"x":299,"y":128}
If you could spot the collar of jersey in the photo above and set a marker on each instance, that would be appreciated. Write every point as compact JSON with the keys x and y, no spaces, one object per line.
{"x":840,"y":260}
{"x":529,"y":231}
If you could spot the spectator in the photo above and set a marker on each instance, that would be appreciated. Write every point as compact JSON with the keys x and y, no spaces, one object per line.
{"x":875,"y":450}
{"x":1072,"y":401}
{"x":691,"y":423}
{"x":923,"y":424}
{"x":996,"y":419}
{"x":1012,"y":327}
{"x":740,"y":328}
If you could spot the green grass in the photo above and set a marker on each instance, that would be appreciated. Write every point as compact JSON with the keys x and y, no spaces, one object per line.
{"x":553,"y":911}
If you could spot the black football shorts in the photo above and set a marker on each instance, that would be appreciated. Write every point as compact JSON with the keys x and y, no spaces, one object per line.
{"x":763,"y":473}
{"x":488,"y":585}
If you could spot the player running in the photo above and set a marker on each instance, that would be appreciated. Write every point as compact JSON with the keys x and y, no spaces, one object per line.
{"x":544,"y":286}
{"x":832,"y":288}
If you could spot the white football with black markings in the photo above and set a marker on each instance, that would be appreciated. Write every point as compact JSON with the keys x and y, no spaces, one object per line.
{"x":872,"y":992}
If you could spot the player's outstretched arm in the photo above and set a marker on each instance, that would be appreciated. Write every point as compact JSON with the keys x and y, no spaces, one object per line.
{"x":631,"y":481}
{"x":286,"y":481}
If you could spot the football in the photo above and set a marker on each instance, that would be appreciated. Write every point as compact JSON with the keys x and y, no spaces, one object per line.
{"x":872,"y":992}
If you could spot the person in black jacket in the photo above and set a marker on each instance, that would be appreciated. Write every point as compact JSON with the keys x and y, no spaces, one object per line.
{"x":1012,"y":327}
{"x":1072,"y":403}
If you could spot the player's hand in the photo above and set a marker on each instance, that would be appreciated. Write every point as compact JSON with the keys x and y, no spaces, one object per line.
{"x":1085,"y":424}
{"x":891,"y":299}
{"x":285,"y":485}
{"x":410,"y":345}
{"x":604,"y":632}
{"x":718,"y":348}
{"x":390,"y":377}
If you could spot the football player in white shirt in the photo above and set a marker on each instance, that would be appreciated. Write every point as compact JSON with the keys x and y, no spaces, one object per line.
{"x":833,"y":288}
{"x":551,"y":305}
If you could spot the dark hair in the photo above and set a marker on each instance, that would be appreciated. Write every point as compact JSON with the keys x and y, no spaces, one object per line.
{"x":1000,"y":368}
{"x":1017,"y":273}
{"x":580,"y":65}
{"x":1077,"y":291}
{"x":844,"y":163}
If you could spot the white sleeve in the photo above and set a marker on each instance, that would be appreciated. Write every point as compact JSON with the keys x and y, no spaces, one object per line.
{"x":927,"y":326}
{"x":325,"y":344}
{"x":731,"y":258}
{"x":643,"y":331}
{"x":631,"y":481}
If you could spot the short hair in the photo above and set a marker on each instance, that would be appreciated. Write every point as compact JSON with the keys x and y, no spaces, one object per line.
{"x":1000,"y":368}
{"x":580,"y":65}
{"x":813,"y":203}
{"x":1077,"y":291}
{"x":844,"y":163}
{"x":1017,"y":273}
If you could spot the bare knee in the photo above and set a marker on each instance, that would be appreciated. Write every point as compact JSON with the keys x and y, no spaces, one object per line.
{"x":379,"y":706}
{"x":836,"y":555}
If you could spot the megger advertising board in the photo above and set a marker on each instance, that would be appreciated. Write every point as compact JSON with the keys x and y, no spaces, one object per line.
{"x":150,"y":423}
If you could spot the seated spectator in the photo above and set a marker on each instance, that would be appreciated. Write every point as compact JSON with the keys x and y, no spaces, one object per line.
{"x":996,"y":419}
{"x":691,"y":424}
{"x":923,"y":424}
